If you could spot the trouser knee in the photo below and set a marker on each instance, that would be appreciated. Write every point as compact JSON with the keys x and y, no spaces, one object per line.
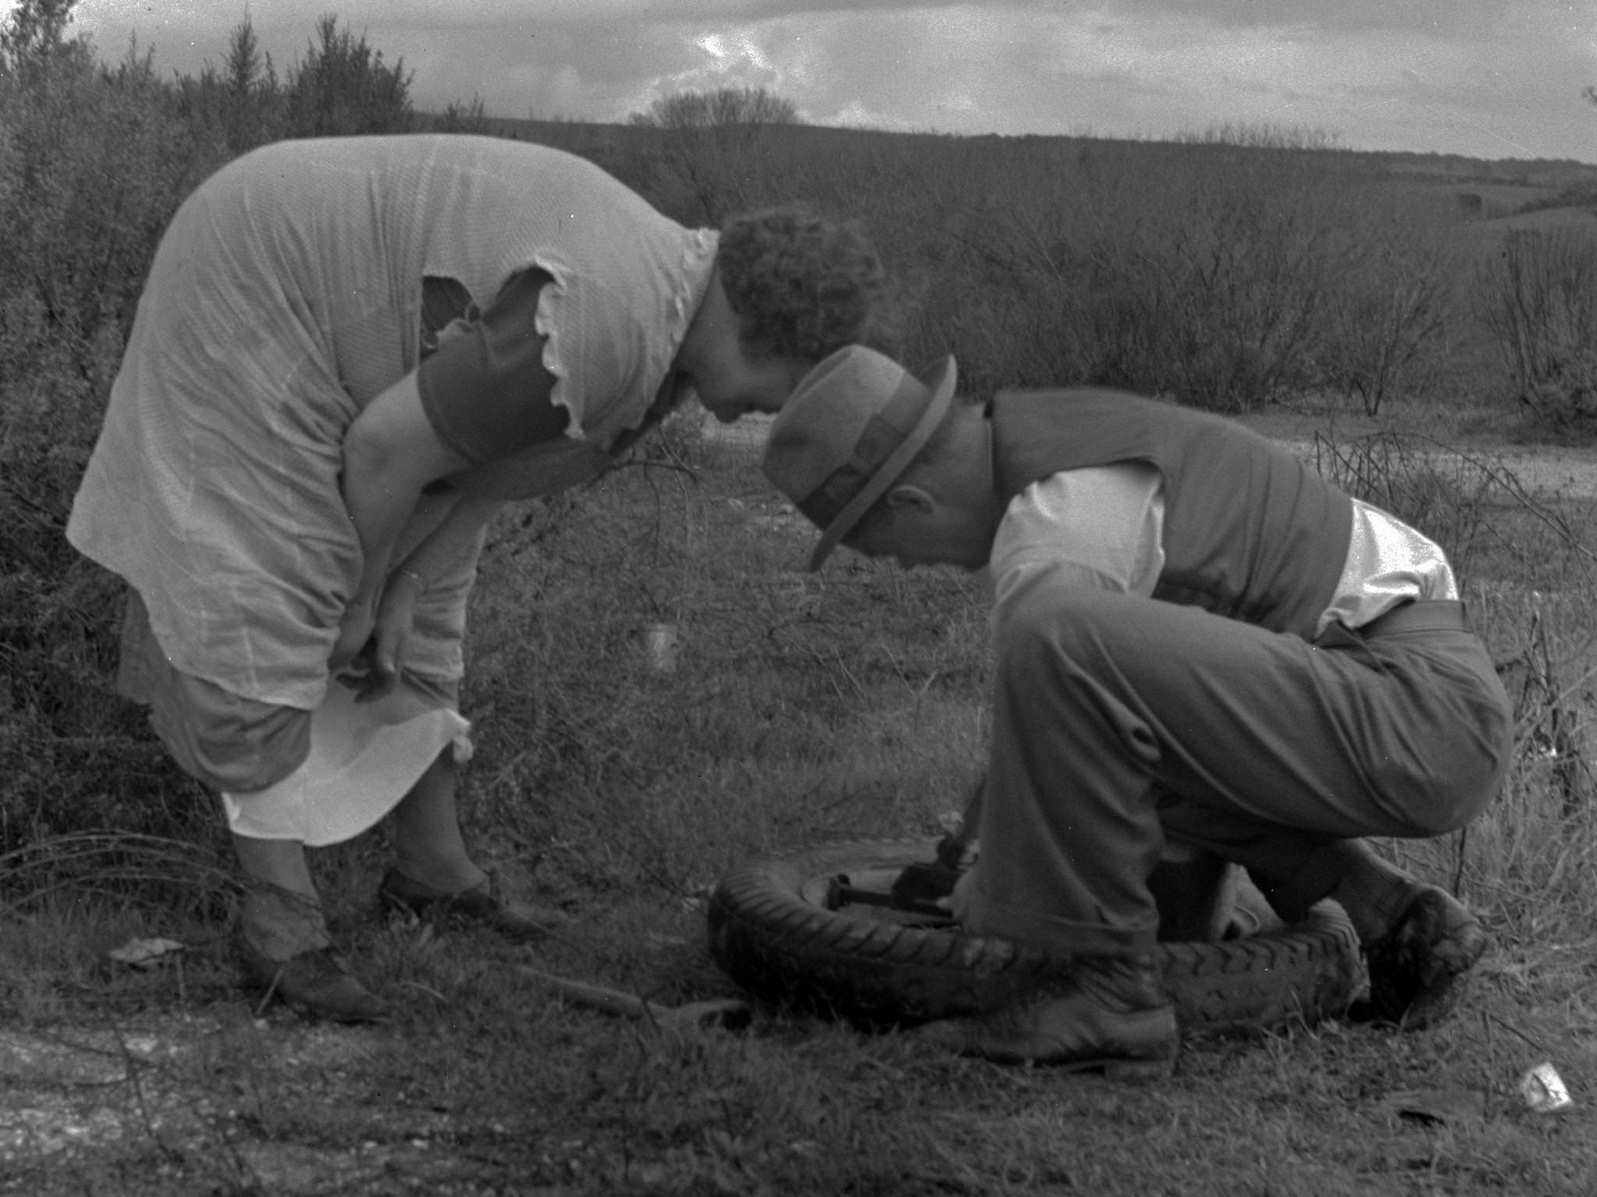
{"x":1041,"y":626}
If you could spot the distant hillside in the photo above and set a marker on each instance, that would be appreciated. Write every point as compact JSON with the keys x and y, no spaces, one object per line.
{"x":1501,"y":183}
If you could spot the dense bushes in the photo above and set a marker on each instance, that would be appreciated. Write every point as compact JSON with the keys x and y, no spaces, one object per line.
{"x":1226,"y":276}
{"x":1201,"y":277}
{"x":342,"y":87}
{"x":93,"y":161}
{"x":1229,"y":276}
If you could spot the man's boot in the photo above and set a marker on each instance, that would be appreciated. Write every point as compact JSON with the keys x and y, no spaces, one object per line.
{"x":1107,"y":1012}
{"x":1420,"y":942}
{"x":1419,"y":969}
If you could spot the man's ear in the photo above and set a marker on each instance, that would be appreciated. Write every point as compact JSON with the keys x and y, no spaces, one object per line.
{"x":907,"y":494}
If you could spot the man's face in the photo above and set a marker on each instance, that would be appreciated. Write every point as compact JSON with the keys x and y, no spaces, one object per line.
{"x":921,"y":531}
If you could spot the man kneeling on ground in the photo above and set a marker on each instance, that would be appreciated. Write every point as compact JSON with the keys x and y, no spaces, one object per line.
{"x":1198,"y":640}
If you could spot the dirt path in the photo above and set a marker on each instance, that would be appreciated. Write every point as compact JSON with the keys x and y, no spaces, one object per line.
{"x":71,"y":1096}
{"x":1544,"y":471}
{"x":1550,"y":471}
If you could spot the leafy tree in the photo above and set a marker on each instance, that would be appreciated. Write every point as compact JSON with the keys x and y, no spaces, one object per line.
{"x":241,"y":106}
{"x":715,"y":146}
{"x":95,"y":163}
{"x":464,"y":118}
{"x":33,"y":39}
{"x":345,"y":87}
{"x":254,"y":99}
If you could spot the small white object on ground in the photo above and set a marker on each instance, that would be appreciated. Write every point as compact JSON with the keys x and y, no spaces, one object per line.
{"x":1544,"y":1090}
{"x":664,"y":644}
{"x":145,"y":953}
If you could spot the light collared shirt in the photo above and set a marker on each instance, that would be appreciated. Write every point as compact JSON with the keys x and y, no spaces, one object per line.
{"x":1102,"y":527}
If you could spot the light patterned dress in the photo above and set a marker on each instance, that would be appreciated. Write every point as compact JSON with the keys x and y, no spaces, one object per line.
{"x":286,"y":295}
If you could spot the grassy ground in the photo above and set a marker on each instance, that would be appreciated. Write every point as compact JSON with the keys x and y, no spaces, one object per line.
{"x":802,"y":707}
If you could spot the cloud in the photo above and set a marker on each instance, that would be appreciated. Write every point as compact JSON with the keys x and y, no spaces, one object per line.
{"x":1471,"y":76}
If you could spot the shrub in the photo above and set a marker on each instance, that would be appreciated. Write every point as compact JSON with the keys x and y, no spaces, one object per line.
{"x":1214,"y":292}
{"x":728,"y":107}
{"x":1226,"y":276}
{"x":1540,"y":306}
{"x":344,"y":87}
{"x":714,"y":146}
{"x":98,"y":161}
{"x":94,"y":161}
{"x":1389,"y":305}
{"x":463,"y":118}
{"x":242,"y":106}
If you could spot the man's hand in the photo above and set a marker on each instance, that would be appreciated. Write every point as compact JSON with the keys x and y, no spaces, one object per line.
{"x":958,"y":902}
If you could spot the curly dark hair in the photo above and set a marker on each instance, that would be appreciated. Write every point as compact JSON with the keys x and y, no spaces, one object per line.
{"x":801,"y":285}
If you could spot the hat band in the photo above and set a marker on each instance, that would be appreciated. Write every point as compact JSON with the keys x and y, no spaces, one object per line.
{"x":884,"y":432}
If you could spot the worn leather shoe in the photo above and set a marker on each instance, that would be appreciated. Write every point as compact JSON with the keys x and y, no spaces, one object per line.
{"x":1419,"y":969}
{"x":1106,"y":1012}
{"x":483,"y":905}
{"x":316,"y":984}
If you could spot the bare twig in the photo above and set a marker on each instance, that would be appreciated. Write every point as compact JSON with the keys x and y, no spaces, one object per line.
{"x":722,"y":1012}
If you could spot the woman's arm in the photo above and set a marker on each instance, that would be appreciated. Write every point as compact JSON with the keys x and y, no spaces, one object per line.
{"x":484,"y":394}
{"x":452,"y":541}
{"x":441,"y":553}
{"x":391,"y":452}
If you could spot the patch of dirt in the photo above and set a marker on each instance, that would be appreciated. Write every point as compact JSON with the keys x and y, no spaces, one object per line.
{"x":1552,"y":471}
{"x":750,"y":430}
{"x":1580,"y":219}
{"x":74,"y":1097}
{"x":1547,"y":473}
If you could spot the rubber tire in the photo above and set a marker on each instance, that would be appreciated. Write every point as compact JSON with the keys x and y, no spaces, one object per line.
{"x":770,"y":933}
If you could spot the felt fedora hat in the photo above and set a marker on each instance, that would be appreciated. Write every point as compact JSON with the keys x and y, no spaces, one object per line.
{"x":847,"y":432}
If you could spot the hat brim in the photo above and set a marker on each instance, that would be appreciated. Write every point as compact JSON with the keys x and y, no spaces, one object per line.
{"x":941,"y":383}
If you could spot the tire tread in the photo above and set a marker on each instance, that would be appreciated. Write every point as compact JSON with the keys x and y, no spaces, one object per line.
{"x":775,"y":943}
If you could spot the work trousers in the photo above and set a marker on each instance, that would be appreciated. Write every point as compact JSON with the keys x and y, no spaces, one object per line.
{"x":1121,"y":722}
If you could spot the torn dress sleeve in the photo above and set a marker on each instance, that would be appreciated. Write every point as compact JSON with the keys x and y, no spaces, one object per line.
{"x":485,"y":389}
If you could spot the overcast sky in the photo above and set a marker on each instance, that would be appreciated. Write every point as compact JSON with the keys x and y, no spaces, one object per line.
{"x":1486,"y":78}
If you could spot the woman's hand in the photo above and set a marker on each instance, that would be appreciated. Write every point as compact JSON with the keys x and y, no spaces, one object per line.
{"x":371,"y":644}
{"x":354,"y":630}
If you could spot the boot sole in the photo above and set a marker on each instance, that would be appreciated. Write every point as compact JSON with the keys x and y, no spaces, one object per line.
{"x":1419,"y":971}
